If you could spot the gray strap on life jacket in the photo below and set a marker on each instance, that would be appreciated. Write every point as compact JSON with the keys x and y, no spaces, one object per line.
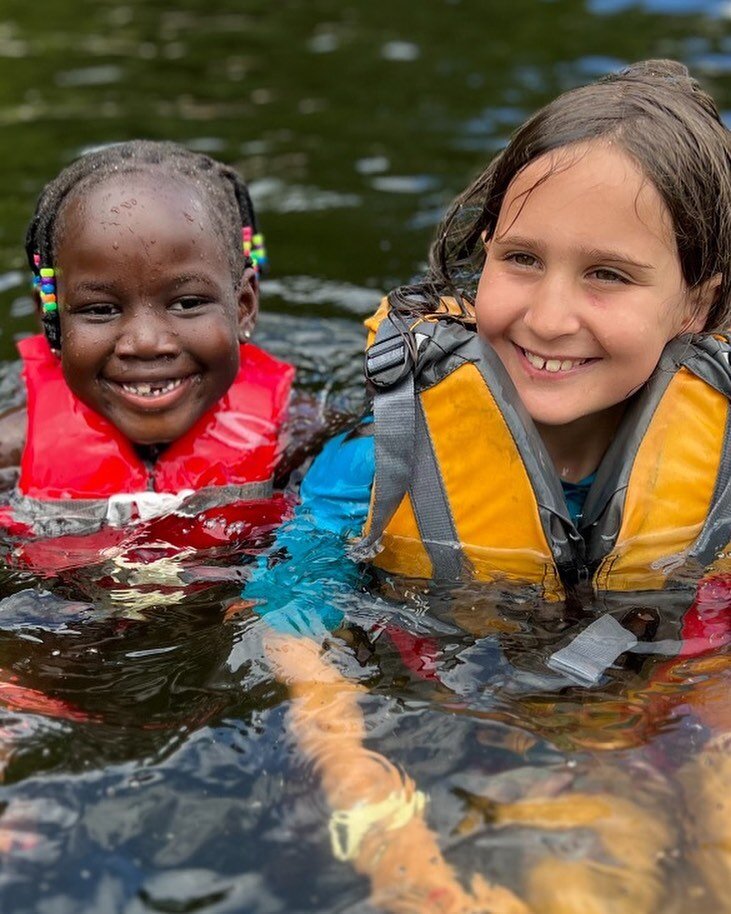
{"x":707,"y":357}
{"x":586,"y":658}
{"x":220,"y":496}
{"x":83,"y":516}
{"x":435,"y":521}
{"x":710,"y":359}
{"x":590,"y":653}
{"x":404,"y":454}
{"x":389,"y":367}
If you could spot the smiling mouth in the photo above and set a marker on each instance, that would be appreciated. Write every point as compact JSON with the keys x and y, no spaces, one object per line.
{"x":552,"y":366}
{"x":152,"y":389}
{"x":156,"y":394}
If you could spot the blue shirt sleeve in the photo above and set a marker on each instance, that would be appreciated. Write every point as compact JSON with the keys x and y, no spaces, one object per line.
{"x":297,"y":586}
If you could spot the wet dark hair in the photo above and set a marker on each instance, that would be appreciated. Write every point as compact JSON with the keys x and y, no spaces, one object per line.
{"x":659,"y":116}
{"x":220,"y":188}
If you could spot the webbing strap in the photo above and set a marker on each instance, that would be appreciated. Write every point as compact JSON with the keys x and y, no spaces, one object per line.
{"x":82,"y":516}
{"x":431,"y":507}
{"x":707,"y":357}
{"x":592,"y":651}
{"x":393,"y":413}
{"x":220,"y":496}
{"x":589,"y":655}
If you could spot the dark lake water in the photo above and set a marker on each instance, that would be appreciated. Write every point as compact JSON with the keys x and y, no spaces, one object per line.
{"x":144,"y":771}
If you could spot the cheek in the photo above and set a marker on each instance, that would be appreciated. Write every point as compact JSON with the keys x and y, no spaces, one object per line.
{"x":77,"y":359}
{"x":499,"y":302}
{"x":223,"y":354}
{"x":85,"y":340}
{"x":494,"y":314}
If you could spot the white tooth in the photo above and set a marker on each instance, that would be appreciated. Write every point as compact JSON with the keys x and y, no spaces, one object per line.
{"x":566,"y":365}
{"x":535,"y":360}
{"x":553,"y":365}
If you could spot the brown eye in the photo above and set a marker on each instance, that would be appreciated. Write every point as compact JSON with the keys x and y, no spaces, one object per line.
{"x":611,"y":276}
{"x":188,"y":303}
{"x":99,"y":312}
{"x":522,"y":259}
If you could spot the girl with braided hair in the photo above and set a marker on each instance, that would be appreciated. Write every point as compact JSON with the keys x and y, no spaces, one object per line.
{"x":150,"y":415}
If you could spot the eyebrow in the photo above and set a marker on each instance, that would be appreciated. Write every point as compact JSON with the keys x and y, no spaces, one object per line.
{"x":193,"y":277}
{"x":99,"y":285}
{"x":92,"y":285}
{"x":605,"y":256}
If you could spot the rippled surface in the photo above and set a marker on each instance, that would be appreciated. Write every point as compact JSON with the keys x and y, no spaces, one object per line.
{"x":144,"y":769}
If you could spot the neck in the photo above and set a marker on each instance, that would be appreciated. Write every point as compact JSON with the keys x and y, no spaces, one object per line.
{"x":576,"y":449}
{"x":149,"y":453}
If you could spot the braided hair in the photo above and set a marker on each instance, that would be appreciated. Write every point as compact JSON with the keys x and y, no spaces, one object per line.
{"x":220,"y":187}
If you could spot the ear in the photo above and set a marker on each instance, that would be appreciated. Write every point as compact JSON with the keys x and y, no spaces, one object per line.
{"x":486,"y":242}
{"x":248,"y":304}
{"x":702,"y":299}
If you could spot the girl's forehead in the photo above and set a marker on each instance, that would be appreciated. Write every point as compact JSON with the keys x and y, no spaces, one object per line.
{"x":594,"y":179}
{"x":125,"y":192}
{"x":156,"y":205}
{"x":584,"y":165}
{"x":127,"y":217}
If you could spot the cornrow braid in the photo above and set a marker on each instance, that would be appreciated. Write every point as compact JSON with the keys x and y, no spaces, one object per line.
{"x":220,"y":187}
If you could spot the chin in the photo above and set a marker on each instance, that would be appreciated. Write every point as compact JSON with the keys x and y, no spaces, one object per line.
{"x":151,"y":438}
{"x":546,"y":416}
{"x":556,"y":419}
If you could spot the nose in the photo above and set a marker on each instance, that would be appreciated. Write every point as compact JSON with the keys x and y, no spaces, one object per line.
{"x":147,"y":334}
{"x":553,"y":309}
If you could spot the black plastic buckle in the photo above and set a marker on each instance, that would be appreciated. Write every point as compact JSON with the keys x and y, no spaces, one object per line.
{"x":388,"y":361}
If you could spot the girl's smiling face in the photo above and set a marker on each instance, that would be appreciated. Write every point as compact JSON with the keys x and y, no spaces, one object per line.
{"x":582,"y":286}
{"x":150,"y":314}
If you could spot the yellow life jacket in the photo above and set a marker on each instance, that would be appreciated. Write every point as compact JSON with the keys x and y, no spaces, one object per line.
{"x":464,"y":484}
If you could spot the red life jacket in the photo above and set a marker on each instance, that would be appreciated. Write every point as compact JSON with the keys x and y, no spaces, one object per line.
{"x":83,"y":487}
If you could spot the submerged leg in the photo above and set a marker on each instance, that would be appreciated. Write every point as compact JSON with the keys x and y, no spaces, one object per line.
{"x":618,"y":870}
{"x":378,"y":820}
{"x":706,"y":781}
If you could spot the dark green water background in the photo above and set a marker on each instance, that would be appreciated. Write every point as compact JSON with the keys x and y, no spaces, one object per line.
{"x":355,"y":124}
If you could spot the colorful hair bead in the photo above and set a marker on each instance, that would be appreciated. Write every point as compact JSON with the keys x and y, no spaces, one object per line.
{"x":47,"y":289}
{"x":44,"y":284}
{"x":254,"y":248}
{"x":246,"y":233}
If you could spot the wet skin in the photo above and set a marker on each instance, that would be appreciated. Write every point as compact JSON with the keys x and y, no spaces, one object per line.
{"x":581,"y":290}
{"x":151,"y":316}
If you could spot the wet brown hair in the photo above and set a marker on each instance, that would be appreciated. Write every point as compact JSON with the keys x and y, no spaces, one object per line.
{"x":659,"y":116}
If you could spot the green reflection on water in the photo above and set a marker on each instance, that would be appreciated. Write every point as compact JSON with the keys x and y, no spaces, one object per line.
{"x":355,"y":122}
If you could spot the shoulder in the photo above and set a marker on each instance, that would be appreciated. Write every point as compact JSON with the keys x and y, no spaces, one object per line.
{"x":346,"y":463}
{"x":336,"y":492}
